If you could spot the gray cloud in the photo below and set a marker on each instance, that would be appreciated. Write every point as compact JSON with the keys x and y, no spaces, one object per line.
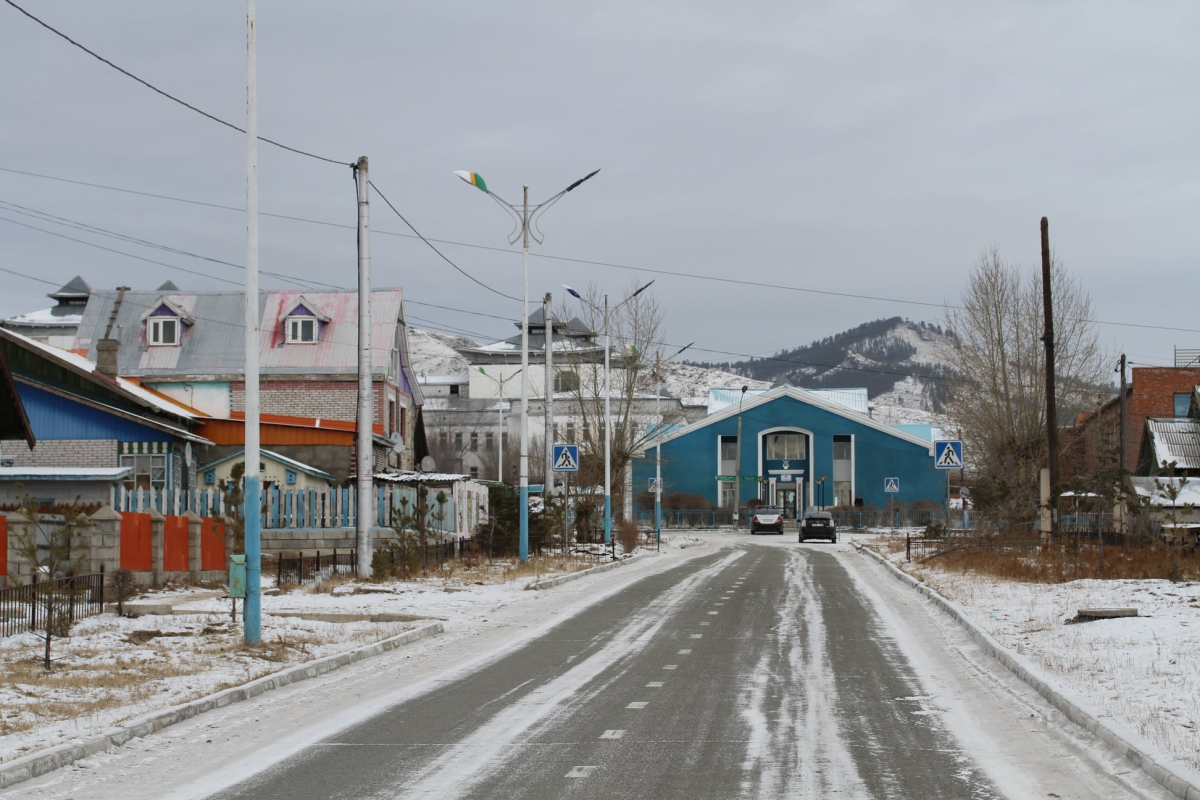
{"x":860,"y":147}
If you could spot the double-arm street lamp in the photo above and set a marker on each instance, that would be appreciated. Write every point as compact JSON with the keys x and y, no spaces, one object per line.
{"x":658,"y":390}
{"x":525,"y":217}
{"x":500,"y":408}
{"x":607,"y":396}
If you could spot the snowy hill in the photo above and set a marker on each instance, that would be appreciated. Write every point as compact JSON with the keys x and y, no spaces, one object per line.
{"x":434,"y":353}
{"x":901,"y":363}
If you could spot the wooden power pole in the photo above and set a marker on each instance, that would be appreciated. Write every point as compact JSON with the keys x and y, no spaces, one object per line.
{"x":1048,"y":339}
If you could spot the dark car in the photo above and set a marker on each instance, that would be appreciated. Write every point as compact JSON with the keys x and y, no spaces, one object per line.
{"x":818,"y":525}
{"x":767,"y":519}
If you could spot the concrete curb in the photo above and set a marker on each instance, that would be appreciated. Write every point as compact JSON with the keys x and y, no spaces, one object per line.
{"x":583,"y":573}
{"x":1181,"y":785}
{"x":52,"y":758}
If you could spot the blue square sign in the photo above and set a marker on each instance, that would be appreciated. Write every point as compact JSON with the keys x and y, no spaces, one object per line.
{"x":566,"y":458}
{"x":947,"y":455}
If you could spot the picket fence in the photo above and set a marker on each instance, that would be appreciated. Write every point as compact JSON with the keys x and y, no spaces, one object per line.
{"x":294,"y":508}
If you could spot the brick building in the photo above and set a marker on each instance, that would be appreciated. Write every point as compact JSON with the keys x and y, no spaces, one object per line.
{"x":1152,"y":393}
{"x":189,"y":346}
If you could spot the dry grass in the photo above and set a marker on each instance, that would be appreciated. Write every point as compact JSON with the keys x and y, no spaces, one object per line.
{"x":117,"y":669}
{"x":1061,"y":565}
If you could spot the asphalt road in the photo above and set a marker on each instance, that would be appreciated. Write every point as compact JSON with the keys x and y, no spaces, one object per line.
{"x":754,"y":672}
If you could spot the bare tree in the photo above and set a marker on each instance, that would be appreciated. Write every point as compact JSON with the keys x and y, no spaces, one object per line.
{"x":996,"y":401}
{"x":636,"y":330}
{"x":45,"y":544}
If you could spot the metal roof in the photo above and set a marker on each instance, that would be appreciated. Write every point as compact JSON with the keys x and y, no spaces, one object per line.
{"x":273,"y":456}
{"x":853,"y":399}
{"x":214,"y":344}
{"x":1175,"y":440}
{"x":64,"y":473}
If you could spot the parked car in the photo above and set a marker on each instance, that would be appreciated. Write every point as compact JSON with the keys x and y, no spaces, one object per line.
{"x":818,"y":525}
{"x":767,"y":519}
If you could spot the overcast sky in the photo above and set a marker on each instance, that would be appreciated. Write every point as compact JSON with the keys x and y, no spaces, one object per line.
{"x":860,"y":147}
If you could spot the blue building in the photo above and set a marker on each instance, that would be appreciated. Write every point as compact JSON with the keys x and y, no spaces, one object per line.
{"x":798,"y":449}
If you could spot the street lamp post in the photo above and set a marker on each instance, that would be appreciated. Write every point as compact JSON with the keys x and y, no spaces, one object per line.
{"x":500,"y":408}
{"x":526,"y":219}
{"x":658,"y":444}
{"x":737,"y":478}
{"x":607,"y":395}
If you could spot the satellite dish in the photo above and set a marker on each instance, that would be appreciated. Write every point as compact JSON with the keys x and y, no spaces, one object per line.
{"x":398,"y":445}
{"x":428,"y":464}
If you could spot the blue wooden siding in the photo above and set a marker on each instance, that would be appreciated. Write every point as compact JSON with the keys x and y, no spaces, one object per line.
{"x":690,"y":462}
{"x":55,"y":417}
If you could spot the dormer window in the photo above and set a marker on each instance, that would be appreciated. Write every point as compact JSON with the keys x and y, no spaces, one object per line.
{"x":163,"y":331}
{"x":301,"y":330}
{"x":165,"y":323}
{"x":302,"y":321}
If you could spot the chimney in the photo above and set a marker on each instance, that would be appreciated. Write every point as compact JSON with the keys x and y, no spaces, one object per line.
{"x":106,"y":356}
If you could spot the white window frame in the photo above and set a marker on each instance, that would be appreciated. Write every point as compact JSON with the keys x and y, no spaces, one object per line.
{"x":294,"y":326}
{"x":154,"y":327}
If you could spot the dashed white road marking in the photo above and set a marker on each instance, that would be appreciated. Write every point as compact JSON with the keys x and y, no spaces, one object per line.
{"x":670,"y":666}
{"x":718,"y":604}
{"x":612,"y":734}
{"x":697,"y":635}
{"x":654,"y":685}
{"x":581,"y":772}
{"x":705,"y":623}
{"x":685,"y":652}
{"x":638,"y":704}
{"x":713,"y":613}
{"x":726,"y":597}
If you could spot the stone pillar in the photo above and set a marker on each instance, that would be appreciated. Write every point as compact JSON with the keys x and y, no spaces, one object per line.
{"x":1045,"y":524}
{"x":157,"y":521}
{"x":194,"y":531}
{"x":20,"y":571}
{"x":99,"y":544}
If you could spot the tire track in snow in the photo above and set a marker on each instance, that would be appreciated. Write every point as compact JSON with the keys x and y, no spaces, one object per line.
{"x":795,"y":747}
{"x":476,"y":758}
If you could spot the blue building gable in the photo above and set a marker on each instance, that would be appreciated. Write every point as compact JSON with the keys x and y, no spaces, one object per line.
{"x":790,"y":441}
{"x":53,"y":416}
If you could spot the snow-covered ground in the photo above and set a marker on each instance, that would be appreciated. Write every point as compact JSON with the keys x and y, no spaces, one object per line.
{"x":115,"y":668}
{"x":1143,"y":671}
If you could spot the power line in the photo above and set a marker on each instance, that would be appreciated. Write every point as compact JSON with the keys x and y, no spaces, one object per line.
{"x":119,"y":252}
{"x":170,"y":97}
{"x":671,"y":273}
{"x":434,"y":249}
{"x":54,"y":219}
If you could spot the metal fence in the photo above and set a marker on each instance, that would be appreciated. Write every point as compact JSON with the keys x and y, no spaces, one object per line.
{"x":61,"y":600}
{"x":310,"y":569}
{"x":856,"y":519}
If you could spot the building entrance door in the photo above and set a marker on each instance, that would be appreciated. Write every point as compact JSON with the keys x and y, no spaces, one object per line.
{"x":788,"y":497}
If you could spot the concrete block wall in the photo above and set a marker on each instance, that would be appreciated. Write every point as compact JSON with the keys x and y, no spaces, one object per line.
{"x":324,"y":399}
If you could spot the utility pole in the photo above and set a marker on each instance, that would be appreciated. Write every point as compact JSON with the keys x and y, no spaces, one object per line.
{"x":365,"y":467}
{"x":1048,"y":339}
{"x":737,"y":470}
{"x":549,"y":404}
{"x":251,"y":491}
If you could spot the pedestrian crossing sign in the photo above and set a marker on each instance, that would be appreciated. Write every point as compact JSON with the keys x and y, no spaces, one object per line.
{"x":566,"y":458}
{"x":891,"y":484}
{"x":948,"y":455}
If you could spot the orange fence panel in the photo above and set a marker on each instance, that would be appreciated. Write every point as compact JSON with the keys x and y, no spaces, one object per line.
{"x":212,"y":544}
{"x":175,"y":544}
{"x":135,"y":542}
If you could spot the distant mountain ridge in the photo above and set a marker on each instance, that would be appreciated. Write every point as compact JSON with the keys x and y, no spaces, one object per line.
{"x":898,"y":361}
